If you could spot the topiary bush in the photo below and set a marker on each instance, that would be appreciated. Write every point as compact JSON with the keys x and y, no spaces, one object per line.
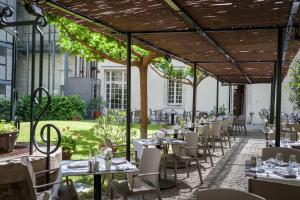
{"x":61,"y":108}
{"x":4,"y":109}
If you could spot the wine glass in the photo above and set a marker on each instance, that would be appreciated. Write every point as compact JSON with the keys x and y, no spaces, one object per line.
{"x":292,"y":160}
{"x":279,"y":159}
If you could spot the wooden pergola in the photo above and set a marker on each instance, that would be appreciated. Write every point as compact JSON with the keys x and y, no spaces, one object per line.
{"x":246,"y":42}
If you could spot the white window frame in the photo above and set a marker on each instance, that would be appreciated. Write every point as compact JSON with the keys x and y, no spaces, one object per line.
{"x":174,"y":93}
{"x":109,"y":82}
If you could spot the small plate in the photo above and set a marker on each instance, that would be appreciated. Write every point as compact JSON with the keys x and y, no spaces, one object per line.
{"x":257,"y":170}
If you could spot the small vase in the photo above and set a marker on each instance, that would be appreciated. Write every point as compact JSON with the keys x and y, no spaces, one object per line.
{"x":108,"y":164}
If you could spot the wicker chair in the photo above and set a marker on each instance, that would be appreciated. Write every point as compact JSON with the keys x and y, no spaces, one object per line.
{"x":146,"y":181}
{"x":188,"y":153}
{"x":272,"y":190}
{"x":286,"y":152}
{"x":203,"y":143}
{"x":226,"y":194}
{"x":216,"y":135}
{"x":17,"y":181}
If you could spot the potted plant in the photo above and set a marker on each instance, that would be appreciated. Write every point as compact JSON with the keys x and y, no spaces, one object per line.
{"x":95,"y":106}
{"x":8,"y":135}
{"x":107,"y":155}
{"x":75,"y":116}
{"x":68,"y":144}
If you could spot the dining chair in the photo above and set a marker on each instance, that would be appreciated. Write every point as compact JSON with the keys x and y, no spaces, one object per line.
{"x":203,"y":143}
{"x":146,"y":181}
{"x":230,"y":126}
{"x":225,"y":132}
{"x":286,"y":152}
{"x":273,"y":190}
{"x":242,"y":123}
{"x":18,"y":181}
{"x":187,"y":154}
{"x":226,"y":194}
{"x":235,"y":125}
{"x":215,"y":135}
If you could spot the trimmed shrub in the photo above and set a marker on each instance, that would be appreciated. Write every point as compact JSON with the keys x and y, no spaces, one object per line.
{"x":61,"y":108}
{"x":4,"y":109}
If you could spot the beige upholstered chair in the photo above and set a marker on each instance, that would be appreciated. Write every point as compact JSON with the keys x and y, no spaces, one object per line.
{"x":284,"y":134}
{"x":17,"y":181}
{"x":203,"y":143}
{"x":286,"y":152}
{"x":147,"y":180}
{"x":226,"y":194}
{"x":272,"y":190}
{"x":216,"y":135}
{"x":231,"y":126}
{"x":188,"y":153}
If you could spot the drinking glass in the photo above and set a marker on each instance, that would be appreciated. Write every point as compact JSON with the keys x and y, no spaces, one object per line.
{"x":258,"y":162}
{"x":292,"y":161}
{"x":279,"y":159}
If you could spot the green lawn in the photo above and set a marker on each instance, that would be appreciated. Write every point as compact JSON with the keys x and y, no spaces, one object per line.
{"x":86,"y":138}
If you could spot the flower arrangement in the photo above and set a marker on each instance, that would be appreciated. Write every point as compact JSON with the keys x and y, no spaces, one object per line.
{"x":106,"y":153}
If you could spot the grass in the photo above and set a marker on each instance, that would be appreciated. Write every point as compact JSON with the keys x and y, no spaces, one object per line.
{"x":82,"y":129}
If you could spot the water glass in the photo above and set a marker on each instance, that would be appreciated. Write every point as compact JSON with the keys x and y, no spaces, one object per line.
{"x":258,"y":162}
{"x":279,"y":159}
{"x":292,"y":161}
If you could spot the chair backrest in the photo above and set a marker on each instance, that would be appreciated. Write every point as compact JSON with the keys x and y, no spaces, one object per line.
{"x":150,"y":163}
{"x":17,"y":180}
{"x":206,"y":131}
{"x":191,"y":139}
{"x":272,"y":190}
{"x":296,"y":127}
{"x":286,"y":152}
{"x":216,"y":128}
{"x":226,"y":194}
{"x":225,"y":125}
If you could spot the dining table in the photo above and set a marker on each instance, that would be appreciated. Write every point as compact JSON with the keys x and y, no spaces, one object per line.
{"x":163,"y":144}
{"x":271,"y":171}
{"x":80,"y":168}
{"x":284,"y":143}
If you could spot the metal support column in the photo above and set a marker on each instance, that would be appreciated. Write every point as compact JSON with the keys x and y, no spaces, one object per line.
{"x":128,"y":110}
{"x":41,"y":71}
{"x":229,"y":98}
{"x":194,"y":94}
{"x":13,"y":92}
{"x":272,"y":98}
{"x":278,"y":82}
{"x":217,"y":99}
{"x":32,"y":89}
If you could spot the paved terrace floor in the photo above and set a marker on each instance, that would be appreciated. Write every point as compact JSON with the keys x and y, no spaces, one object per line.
{"x":228,"y":170}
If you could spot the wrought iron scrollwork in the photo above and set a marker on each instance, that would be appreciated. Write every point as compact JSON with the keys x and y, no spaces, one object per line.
{"x":47,"y":127}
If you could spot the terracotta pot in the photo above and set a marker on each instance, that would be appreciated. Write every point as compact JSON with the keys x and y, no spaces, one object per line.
{"x":8,"y":140}
{"x":96,"y":114}
{"x":76,"y":118}
{"x":66,"y":155}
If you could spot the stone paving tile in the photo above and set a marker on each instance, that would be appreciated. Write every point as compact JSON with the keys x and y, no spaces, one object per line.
{"x":228,"y":170}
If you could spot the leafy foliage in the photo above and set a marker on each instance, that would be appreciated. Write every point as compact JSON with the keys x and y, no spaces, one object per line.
{"x":4,"y":109}
{"x":6,"y":127}
{"x":61,"y":108}
{"x":294,"y":84}
{"x":68,"y":141}
{"x":264,"y":114}
{"x":221,"y":111}
{"x":111,"y":126}
{"x":81,"y":41}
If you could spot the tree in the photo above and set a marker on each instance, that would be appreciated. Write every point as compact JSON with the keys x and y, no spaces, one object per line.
{"x":81,"y":41}
{"x":294,"y":83}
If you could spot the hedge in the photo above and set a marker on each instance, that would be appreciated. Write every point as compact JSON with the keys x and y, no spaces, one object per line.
{"x":4,"y":109}
{"x":61,"y":108}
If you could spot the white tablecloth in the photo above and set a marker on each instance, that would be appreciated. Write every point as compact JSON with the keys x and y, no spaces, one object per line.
{"x":270,"y":176}
{"x":140,"y":144}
